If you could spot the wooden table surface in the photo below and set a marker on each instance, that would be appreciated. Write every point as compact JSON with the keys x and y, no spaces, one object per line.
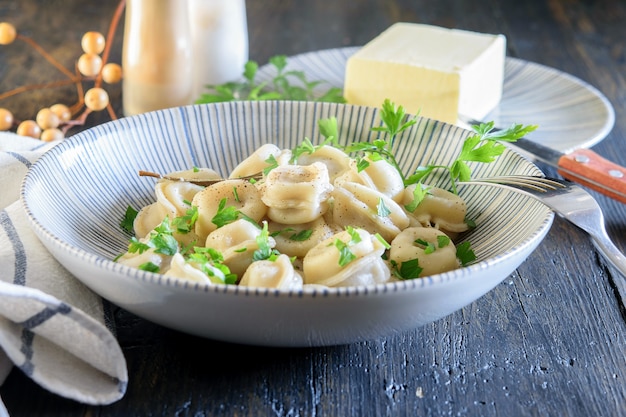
{"x":549,"y":341}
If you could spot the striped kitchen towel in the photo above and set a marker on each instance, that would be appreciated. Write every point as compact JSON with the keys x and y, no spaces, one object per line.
{"x":52,"y":327}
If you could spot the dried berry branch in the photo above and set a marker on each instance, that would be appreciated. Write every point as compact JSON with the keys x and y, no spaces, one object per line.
{"x":89,"y":67}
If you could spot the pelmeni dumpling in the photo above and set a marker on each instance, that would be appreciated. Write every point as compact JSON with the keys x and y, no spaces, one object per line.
{"x":240,"y":194}
{"x":258,"y":161}
{"x":335,"y":159}
{"x":440,"y":209}
{"x":379,"y":175}
{"x":286,"y":242}
{"x":406,"y":247}
{"x":237,"y":243}
{"x":296,"y":194}
{"x":180,"y":268}
{"x":360,"y":206}
{"x":325,"y":263}
{"x":172,"y":200}
{"x":278,"y":273}
{"x":137,"y":259}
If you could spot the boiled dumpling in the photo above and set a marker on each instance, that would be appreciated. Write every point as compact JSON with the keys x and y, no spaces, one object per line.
{"x":432,"y":248}
{"x":379,"y":175}
{"x":288,"y":242}
{"x":172,"y":200}
{"x":351,"y":257}
{"x":296,"y":194}
{"x":237,"y":193}
{"x":258,"y":161}
{"x":180,"y":268}
{"x":335,"y":159}
{"x":237,"y":242}
{"x":278,"y":273}
{"x":141,"y":258}
{"x":360,"y":206}
{"x":440,"y":209}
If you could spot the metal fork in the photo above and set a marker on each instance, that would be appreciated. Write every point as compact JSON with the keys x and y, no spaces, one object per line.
{"x":568,"y":201}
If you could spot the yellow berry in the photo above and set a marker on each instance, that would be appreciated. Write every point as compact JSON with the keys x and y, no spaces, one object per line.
{"x":89,"y":64}
{"x":93,"y":42}
{"x":112,"y":73}
{"x":47,"y":119}
{"x":49,"y":135}
{"x":62,"y":112}
{"x":29,"y":128}
{"x":96,"y":99}
{"x":6,"y":119}
{"x":7,"y":33}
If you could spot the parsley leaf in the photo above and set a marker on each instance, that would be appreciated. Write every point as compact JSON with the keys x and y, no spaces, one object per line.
{"x":443,"y":241}
{"x":305,"y":147}
{"x":465,"y":254}
{"x":419,"y":193}
{"x":484,"y":146}
{"x":345,"y":254}
{"x":211,"y":262}
{"x":137,"y":246}
{"x":271,"y":164}
{"x":225,"y":214}
{"x":129,"y":219}
{"x":382,"y":209}
{"x":149,"y":266}
{"x":407,"y":270}
{"x":302,"y":235}
{"x":160,"y":239}
{"x":428,"y":247}
{"x":280,"y":87}
{"x":184,"y":224}
{"x":265,"y":251}
{"x":394,"y":121}
{"x":328,"y":129}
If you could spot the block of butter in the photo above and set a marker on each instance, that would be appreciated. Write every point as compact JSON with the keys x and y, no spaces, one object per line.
{"x":435,"y":71}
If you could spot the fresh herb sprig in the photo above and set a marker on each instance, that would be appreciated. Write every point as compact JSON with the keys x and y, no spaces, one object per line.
{"x":484,"y":146}
{"x":285,"y":85}
{"x":394,"y":122}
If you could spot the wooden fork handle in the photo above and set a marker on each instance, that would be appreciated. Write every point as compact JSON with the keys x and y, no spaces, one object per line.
{"x":586,"y":167}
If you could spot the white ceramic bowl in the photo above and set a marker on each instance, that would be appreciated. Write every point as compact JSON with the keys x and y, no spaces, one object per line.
{"x":77,"y":193}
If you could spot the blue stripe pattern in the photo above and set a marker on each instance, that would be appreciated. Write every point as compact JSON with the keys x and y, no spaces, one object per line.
{"x":20,"y":158}
{"x":19,"y":277}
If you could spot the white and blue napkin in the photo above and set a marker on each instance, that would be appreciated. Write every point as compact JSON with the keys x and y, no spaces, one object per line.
{"x":52,"y":327}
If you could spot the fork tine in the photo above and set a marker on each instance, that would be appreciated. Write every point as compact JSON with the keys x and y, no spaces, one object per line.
{"x":540,"y":184}
{"x":569,"y":201}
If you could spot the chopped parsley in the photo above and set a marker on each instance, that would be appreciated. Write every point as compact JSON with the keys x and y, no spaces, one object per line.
{"x":265,"y":251}
{"x":160,"y":239}
{"x":149,"y":266}
{"x":271,"y":164}
{"x":185,"y":224}
{"x":302,"y":235}
{"x":382,"y":209}
{"x":129,"y":219}
{"x":225,"y":214}
{"x":465,"y":254}
{"x":419,"y":194}
{"x":407,"y":270}
{"x":209,"y":260}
